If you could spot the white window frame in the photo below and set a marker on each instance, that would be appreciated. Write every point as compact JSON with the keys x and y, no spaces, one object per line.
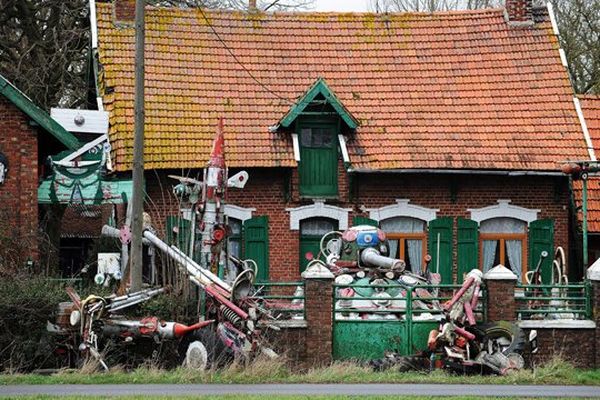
{"x":402,"y":208}
{"x":237,"y":212}
{"x":318,"y":209}
{"x":503,"y":210}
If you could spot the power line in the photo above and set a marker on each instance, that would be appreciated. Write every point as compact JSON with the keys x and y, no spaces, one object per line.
{"x":237,"y":60}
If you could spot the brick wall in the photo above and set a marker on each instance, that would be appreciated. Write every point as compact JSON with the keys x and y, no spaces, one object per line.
{"x":18,"y":193}
{"x":267,"y":190}
{"x":576,"y":346}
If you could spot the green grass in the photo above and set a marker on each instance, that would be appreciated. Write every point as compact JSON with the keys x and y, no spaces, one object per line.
{"x":268,"y":371}
{"x":256,"y":397}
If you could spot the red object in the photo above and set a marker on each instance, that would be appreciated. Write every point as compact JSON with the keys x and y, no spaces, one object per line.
{"x":432,"y":340}
{"x":309,"y":255}
{"x":218,"y":234}
{"x":464,"y":333}
{"x":217,"y":154}
{"x":349,"y":235}
{"x":458,"y":294}
{"x":461,"y":342}
{"x":469,"y":313}
{"x":180,"y":330}
{"x":148,"y":325}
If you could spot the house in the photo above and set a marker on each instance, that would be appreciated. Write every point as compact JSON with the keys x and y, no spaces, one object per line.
{"x":27,"y":137}
{"x":446,"y":129}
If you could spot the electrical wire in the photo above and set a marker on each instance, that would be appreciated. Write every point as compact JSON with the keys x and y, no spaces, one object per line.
{"x":237,"y":60}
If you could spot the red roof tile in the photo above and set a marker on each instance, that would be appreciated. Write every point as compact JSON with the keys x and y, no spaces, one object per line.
{"x":451,"y":90}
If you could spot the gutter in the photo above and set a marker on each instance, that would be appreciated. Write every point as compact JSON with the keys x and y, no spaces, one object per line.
{"x":455,"y":171}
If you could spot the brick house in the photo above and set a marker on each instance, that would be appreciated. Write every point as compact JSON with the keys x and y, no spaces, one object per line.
{"x":446,"y":129}
{"x":27,"y":137}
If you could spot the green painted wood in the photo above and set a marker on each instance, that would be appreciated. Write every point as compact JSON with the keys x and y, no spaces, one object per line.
{"x":309,"y":249}
{"x":318,"y":167}
{"x":356,"y":340}
{"x":541,"y":237}
{"x":467,"y":247}
{"x":443,"y":228}
{"x":364,"y":221}
{"x":256,"y":245}
{"x":319,"y":87}
{"x":41,"y":117}
{"x":181,"y":239}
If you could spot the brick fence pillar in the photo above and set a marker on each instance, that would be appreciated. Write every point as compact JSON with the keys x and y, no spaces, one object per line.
{"x":500,"y":283}
{"x":593,"y":274}
{"x":318,"y":303}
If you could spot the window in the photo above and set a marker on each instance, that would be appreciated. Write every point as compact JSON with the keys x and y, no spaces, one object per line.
{"x":503,"y":241}
{"x":407,"y":240}
{"x":311,"y":232}
{"x":318,"y":168}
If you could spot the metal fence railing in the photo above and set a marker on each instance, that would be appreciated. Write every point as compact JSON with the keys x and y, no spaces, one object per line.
{"x":393,"y":302}
{"x":551,"y":302}
{"x":285,"y":300}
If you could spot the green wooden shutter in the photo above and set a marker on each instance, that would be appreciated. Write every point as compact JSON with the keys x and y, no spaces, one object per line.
{"x":256,"y":245}
{"x":468,"y":247}
{"x":541,"y":237}
{"x":318,"y":167}
{"x":364,"y":221}
{"x":182,"y":238}
{"x":441,"y":228}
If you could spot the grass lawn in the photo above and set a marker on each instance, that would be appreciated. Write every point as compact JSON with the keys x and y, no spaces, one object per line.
{"x":260,"y":397}
{"x":269,"y":371}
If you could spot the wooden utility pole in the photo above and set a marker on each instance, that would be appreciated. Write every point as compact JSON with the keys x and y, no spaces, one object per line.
{"x":137,"y":208}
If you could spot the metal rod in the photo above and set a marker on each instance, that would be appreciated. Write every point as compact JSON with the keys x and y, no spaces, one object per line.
{"x":585,"y":225}
{"x":138,"y":151}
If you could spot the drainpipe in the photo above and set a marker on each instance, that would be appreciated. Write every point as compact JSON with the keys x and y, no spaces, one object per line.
{"x":584,"y":223}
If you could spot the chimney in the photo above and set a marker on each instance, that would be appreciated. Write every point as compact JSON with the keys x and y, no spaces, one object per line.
{"x":251,"y":5}
{"x":519,"y":11}
{"x":124,"y":11}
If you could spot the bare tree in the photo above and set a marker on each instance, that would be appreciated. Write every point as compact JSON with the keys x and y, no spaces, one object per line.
{"x":44,"y":49}
{"x":430,"y":5}
{"x":262,"y":5}
{"x":579,"y":26}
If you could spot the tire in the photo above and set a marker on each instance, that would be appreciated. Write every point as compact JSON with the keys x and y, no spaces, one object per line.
{"x":399,"y":363}
{"x":503,"y":336}
{"x":217,"y":353}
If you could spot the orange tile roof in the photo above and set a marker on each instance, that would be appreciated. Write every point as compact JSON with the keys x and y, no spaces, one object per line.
{"x":590,"y":105}
{"x":450,"y":90}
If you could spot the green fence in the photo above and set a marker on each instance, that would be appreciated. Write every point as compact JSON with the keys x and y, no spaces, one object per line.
{"x":539,"y":302}
{"x":285,"y":300}
{"x":367,"y":326}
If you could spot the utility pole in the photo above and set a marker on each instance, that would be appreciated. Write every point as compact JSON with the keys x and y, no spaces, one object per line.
{"x":137,"y":208}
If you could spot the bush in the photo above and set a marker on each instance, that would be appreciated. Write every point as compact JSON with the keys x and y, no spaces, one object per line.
{"x":26,"y":304}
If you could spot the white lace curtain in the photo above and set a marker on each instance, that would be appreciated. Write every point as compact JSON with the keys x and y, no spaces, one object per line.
{"x":514,"y":248}
{"x":414,"y":246}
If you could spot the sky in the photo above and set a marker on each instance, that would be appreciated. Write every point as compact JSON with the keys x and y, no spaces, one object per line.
{"x":341,"y":5}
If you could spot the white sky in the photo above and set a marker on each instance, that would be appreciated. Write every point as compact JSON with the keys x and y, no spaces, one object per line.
{"x":341,"y":5}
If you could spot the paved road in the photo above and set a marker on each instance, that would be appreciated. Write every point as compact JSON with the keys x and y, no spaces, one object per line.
{"x":305,"y":389}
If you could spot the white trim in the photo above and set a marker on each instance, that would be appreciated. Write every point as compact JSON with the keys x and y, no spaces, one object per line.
{"x":99,"y":103}
{"x":552,"y":18}
{"x":344,"y":149}
{"x":584,"y":128}
{"x":557,"y":324}
{"x":237,"y":212}
{"x":318,"y":209}
{"x":93,"y":24}
{"x":563,"y":58}
{"x":84,"y":148}
{"x":503,"y":209}
{"x":296,"y":145}
{"x":500,"y":273}
{"x":402,"y":209}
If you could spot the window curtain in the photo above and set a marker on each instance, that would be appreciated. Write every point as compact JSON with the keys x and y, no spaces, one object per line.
{"x":503,"y":225}
{"x":394,"y":248}
{"x":415,"y":253}
{"x":489,"y":254}
{"x":514,"y":252}
{"x":403,"y":225}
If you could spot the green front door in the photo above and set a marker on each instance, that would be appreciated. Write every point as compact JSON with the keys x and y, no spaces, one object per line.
{"x":318,"y":167}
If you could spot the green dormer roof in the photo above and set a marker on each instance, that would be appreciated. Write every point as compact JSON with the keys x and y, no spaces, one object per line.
{"x":24,"y":103}
{"x":318,"y":88}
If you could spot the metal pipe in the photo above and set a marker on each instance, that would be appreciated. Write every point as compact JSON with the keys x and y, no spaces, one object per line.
{"x":179,"y":257}
{"x":585,"y":224}
{"x":370,"y":256}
